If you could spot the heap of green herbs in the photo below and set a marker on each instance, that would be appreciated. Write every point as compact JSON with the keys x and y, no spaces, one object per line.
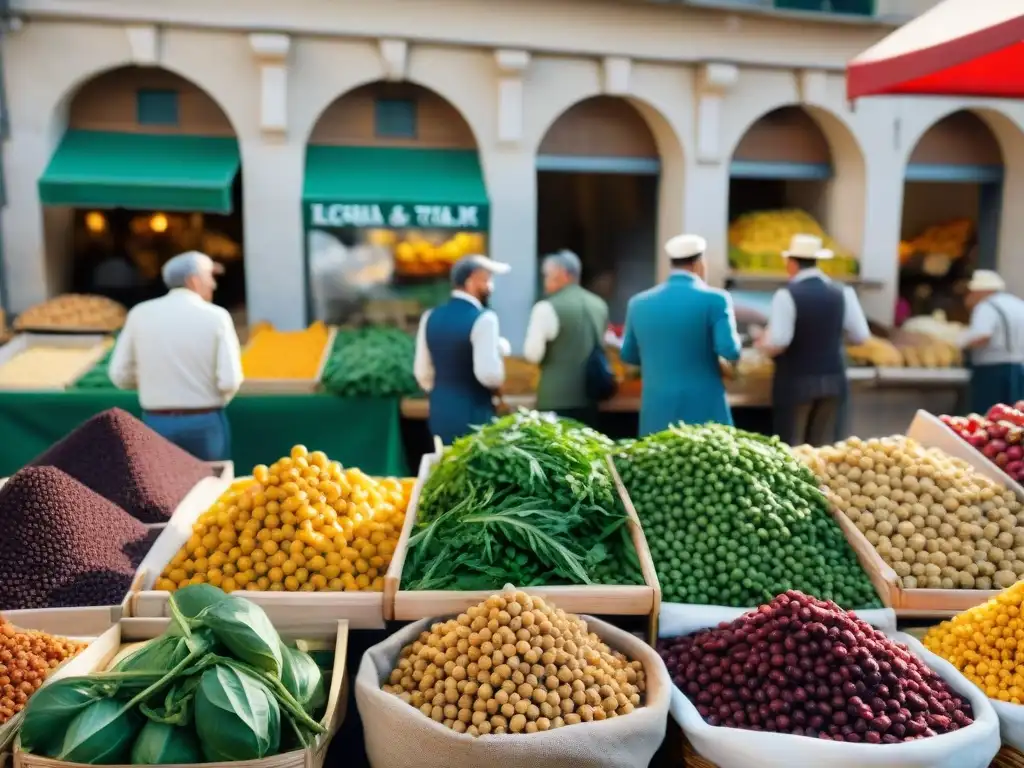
{"x":527,"y":500}
{"x":218,"y":686}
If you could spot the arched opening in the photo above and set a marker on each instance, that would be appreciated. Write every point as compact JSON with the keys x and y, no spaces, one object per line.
{"x":393,"y":196}
{"x":788,"y":177}
{"x":147,"y":168}
{"x":952,"y":210}
{"x":598,"y":171}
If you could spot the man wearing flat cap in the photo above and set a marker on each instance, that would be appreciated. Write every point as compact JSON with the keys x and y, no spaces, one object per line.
{"x":460,"y":354}
{"x":181,"y":352}
{"x":995,"y":340}
{"x":677,"y":332}
{"x":807,"y":324}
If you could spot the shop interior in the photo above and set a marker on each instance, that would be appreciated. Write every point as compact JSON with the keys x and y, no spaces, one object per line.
{"x":119,"y":252}
{"x":610,"y":221}
{"x":952,"y":203}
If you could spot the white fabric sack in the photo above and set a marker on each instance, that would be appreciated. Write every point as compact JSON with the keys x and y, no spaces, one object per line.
{"x":1011,"y":722}
{"x":972,"y":747}
{"x":398,"y":735}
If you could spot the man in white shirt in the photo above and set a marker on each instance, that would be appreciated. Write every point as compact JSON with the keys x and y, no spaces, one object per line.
{"x":182,"y":354}
{"x":995,"y":339}
{"x":807,"y":324}
{"x":564,"y":329}
{"x":460,"y":355}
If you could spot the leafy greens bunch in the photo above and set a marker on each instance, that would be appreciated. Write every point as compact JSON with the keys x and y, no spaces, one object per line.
{"x":528,"y":500}
{"x":371,"y":362}
{"x":218,"y":685}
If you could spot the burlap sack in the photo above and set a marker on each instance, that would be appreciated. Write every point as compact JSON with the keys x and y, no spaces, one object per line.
{"x":399,"y":736}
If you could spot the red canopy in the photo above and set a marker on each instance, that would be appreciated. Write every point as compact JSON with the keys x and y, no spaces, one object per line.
{"x":958,"y":48}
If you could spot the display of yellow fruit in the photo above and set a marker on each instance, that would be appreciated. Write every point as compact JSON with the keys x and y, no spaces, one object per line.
{"x":985,"y":642}
{"x":758,"y":239}
{"x":273,"y":354}
{"x":301,"y":524}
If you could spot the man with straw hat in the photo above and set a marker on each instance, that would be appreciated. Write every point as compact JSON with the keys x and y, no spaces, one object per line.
{"x":995,"y":340}
{"x":676,"y":332}
{"x":808,"y":320}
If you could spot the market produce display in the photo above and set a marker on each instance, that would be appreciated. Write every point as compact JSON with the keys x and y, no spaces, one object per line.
{"x":521,"y":377}
{"x":376,"y":361}
{"x":123,"y":460}
{"x":274,"y":354}
{"x":98,"y":377}
{"x":218,"y":686}
{"x":733,"y":519}
{"x":525,"y":500}
{"x":73,"y":312}
{"x":937,"y":327}
{"x":46,"y":366}
{"x":935,"y":520}
{"x":63,"y":545}
{"x":949,"y":239}
{"x":757,"y":240}
{"x":983,"y":644}
{"x":419,"y":257}
{"x":876,"y":351}
{"x":26,"y":658}
{"x":515,"y":664}
{"x":806,"y":667}
{"x":999,"y":435}
{"x":301,"y":524}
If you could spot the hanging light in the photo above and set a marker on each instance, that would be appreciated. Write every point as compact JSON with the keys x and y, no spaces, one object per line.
{"x":95,"y":222}
{"x":158,"y":222}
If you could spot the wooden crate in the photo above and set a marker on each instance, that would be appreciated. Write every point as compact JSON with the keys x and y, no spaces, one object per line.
{"x":105,"y":649}
{"x":98,"y":346}
{"x":362,"y":610}
{"x":600,"y":600}
{"x":291,"y":386}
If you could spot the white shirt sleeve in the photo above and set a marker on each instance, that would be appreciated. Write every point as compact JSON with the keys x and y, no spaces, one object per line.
{"x":781,"y":319}
{"x":984,"y":321}
{"x":423,"y":365}
{"x":122,"y":369}
{"x":229,"y":358}
{"x":855,"y":324}
{"x":488,"y":362}
{"x":542,"y":329}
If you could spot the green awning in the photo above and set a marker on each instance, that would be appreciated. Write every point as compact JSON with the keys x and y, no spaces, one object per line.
{"x":142,"y":171}
{"x":394,"y":187}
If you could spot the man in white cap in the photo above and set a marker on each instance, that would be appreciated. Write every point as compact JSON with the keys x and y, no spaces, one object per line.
{"x":460,"y":354}
{"x":564,"y":329}
{"x":181,"y":352}
{"x":807,"y":323}
{"x":995,"y":340}
{"x":677,"y":332}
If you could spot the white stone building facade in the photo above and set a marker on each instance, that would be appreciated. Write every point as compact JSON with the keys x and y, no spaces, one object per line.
{"x":700,"y":77}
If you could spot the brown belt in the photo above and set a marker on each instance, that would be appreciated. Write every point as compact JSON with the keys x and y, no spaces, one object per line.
{"x":184,"y":411}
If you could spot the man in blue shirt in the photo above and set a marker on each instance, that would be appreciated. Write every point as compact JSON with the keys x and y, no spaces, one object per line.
{"x":677,"y":332}
{"x":460,"y":354}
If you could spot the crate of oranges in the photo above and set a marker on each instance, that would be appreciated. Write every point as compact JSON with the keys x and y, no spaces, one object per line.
{"x":305,"y":538}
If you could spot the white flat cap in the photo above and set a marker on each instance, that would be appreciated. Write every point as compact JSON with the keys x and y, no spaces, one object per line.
{"x":467,"y":265}
{"x":685,"y":246}
{"x":986,"y":280}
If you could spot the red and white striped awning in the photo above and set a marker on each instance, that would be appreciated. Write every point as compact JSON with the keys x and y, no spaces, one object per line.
{"x":958,"y":48}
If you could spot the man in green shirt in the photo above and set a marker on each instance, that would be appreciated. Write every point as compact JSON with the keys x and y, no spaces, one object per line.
{"x":563,"y":330}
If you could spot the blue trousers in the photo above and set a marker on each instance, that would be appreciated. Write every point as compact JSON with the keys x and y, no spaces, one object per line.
{"x":207,"y":436}
{"x":996,"y":383}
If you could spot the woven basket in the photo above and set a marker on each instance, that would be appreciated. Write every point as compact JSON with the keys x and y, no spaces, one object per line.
{"x":1008,"y":757}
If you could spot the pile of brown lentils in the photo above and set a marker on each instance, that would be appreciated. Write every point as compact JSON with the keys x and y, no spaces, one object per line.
{"x":515,"y":664}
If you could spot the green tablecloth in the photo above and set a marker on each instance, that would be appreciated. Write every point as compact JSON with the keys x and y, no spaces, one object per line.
{"x":359,"y":433}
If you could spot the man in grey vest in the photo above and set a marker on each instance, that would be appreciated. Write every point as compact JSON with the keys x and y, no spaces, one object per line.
{"x":807,"y":323}
{"x":563,"y":330}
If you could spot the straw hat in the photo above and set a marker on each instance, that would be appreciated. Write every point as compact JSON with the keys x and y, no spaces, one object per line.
{"x":807,"y":247}
{"x":986,"y":280}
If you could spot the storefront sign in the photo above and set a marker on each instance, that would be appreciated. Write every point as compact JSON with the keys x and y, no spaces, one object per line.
{"x":397,"y":216}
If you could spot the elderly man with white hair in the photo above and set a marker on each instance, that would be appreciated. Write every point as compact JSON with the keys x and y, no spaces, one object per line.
{"x":564,"y":329}
{"x":995,"y":340}
{"x":677,"y":332}
{"x":182,"y":354}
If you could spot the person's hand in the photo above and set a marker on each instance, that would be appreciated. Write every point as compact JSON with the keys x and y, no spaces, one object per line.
{"x":504,"y":347}
{"x":756,"y":332}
